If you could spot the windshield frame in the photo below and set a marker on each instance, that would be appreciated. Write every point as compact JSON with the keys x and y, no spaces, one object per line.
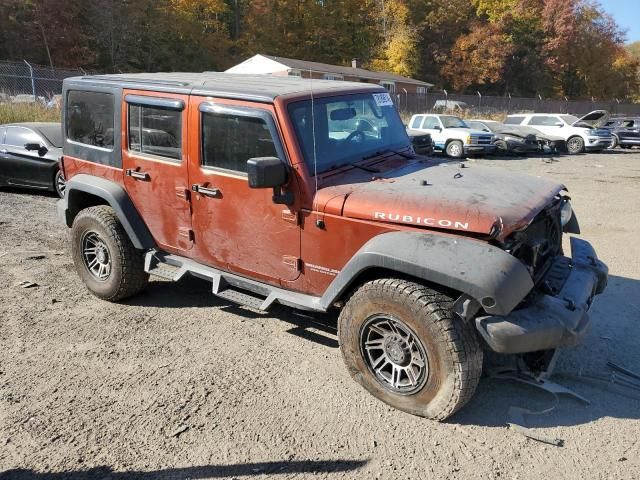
{"x":399,"y":142}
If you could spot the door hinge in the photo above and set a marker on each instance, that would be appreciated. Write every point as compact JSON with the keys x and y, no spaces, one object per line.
{"x":290,"y":217}
{"x":186,"y":233}
{"x":293,"y":262}
{"x":183,"y":192}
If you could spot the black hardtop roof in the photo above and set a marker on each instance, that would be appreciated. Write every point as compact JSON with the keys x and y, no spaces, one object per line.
{"x":264,"y":88}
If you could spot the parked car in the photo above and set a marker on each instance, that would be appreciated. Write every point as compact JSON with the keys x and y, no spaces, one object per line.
{"x":453,"y":136}
{"x":29,"y":154}
{"x":581,"y":134}
{"x":625,"y":131}
{"x":519,"y":139}
{"x":426,"y":266}
{"x":421,"y":141}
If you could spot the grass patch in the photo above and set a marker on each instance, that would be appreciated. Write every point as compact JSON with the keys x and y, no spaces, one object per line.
{"x":27,"y":112}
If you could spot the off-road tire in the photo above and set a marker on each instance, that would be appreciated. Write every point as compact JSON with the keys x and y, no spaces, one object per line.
{"x":127,"y":276}
{"x":575,"y":145}
{"x":59,"y":184}
{"x":455,"y":149}
{"x":454,"y":355}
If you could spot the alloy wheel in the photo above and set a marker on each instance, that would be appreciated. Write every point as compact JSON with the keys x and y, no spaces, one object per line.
{"x":394,"y":354}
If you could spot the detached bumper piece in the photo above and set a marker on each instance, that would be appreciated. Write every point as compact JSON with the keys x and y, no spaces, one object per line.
{"x":556,"y":319}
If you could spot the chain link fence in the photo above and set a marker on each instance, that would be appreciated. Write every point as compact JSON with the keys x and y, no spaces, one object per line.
{"x":25,"y":82}
{"x":480,"y":106}
{"x":22,"y":82}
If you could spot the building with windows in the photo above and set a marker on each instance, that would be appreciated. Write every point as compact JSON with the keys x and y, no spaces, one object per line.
{"x":270,"y":65}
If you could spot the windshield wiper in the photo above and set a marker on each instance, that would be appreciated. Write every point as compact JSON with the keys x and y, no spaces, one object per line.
{"x":388,"y":150}
{"x":366,"y":169}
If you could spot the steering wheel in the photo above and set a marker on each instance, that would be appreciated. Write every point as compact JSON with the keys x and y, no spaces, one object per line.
{"x":359,"y":134}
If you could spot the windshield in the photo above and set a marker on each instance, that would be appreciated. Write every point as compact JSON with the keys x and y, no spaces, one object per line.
{"x":449,"y":121}
{"x":347,"y":129}
{"x":53,"y":133}
{"x":569,"y":119}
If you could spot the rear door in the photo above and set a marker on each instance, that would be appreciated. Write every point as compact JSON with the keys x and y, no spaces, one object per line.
{"x":155,"y":163}
{"x":239,"y":229}
{"x":22,"y":166}
{"x":548,"y":124}
{"x":629,"y":129}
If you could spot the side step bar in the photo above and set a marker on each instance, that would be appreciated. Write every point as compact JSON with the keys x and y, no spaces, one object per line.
{"x":231,"y":287}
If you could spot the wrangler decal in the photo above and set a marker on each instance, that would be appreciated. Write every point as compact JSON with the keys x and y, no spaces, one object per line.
{"x":432,"y":222}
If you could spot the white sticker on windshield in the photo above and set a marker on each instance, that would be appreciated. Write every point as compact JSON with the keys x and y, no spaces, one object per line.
{"x":382,"y":99}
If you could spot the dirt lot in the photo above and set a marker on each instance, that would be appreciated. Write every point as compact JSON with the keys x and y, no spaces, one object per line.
{"x":178,"y":384}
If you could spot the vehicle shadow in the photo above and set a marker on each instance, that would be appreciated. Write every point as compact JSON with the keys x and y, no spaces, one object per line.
{"x":583,"y":369}
{"x":194,"y":292}
{"x":207,"y":471}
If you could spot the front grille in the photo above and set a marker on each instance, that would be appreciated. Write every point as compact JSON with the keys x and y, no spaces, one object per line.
{"x":537,"y":245}
{"x":481,"y":139}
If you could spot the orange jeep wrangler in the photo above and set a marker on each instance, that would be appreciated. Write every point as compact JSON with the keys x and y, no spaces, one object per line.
{"x":309,"y":194}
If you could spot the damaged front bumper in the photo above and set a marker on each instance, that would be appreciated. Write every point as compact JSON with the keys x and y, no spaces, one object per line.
{"x":557,"y":318}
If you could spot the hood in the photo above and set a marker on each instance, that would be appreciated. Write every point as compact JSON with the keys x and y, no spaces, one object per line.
{"x":524,"y":130}
{"x":474,"y":199}
{"x":593,"y":119}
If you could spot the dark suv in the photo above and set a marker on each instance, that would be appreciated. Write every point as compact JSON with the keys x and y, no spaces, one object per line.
{"x":625,"y":131}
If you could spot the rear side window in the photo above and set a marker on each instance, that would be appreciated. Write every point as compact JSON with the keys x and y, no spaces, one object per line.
{"x":155,"y":131}
{"x":431,"y":123}
{"x":417,"y":121}
{"x":90,"y":118}
{"x":513,"y":120}
{"x":544,"y":121}
{"x":230,"y":140}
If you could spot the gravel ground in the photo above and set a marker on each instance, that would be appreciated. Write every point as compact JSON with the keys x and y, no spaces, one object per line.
{"x":179,"y":384}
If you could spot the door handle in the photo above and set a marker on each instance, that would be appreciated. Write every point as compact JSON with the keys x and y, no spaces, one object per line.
{"x":207,"y":192}
{"x":137,"y":175}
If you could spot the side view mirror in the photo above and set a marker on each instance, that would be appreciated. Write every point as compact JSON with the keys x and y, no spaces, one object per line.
{"x":439,"y":128}
{"x":559,"y":124}
{"x":36,"y":147}
{"x":269,"y":172}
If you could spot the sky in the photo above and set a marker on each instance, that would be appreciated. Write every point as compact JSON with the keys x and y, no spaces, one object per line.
{"x":626,"y":14}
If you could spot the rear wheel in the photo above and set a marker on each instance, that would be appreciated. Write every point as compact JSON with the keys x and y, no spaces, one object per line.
{"x":575,"y":145}
{"x":104,"y":256}
{"x":402,"y":342}
{"x":455,"y":149}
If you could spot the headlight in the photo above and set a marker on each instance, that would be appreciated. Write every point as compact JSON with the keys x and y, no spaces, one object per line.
{"x":566,"y":212}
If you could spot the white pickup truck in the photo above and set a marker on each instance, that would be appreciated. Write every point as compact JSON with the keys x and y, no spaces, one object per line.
{"x":581,"y":134}
{"x":452,"y":136}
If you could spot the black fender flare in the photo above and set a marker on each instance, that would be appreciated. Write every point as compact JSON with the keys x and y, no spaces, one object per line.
{"x":493,"y":277}
{"x":116,"y":197}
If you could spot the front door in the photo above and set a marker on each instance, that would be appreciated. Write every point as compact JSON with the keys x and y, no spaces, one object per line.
{"x":237,"y":228}
{"x":155,"y":163}
{"x":22,"y":166}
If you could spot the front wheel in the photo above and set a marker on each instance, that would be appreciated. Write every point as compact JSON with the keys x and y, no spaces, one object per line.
{"x":59,"y":183}
{"x":614,"y":143}
{"x":575,"y":145}
{"x":455,"y":149}
{"x":104,"y":257}
{"x":402,"y":342}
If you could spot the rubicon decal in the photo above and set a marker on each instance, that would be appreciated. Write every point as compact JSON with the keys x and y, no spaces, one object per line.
{"x":428,"y":221}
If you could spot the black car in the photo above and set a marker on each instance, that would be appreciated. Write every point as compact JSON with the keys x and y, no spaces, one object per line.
{"x":421,"y":141}
{"x":625,"y":131}
{"x":521,"y":139}
{"x":29,"y":154}
{"x":507,"y":138}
